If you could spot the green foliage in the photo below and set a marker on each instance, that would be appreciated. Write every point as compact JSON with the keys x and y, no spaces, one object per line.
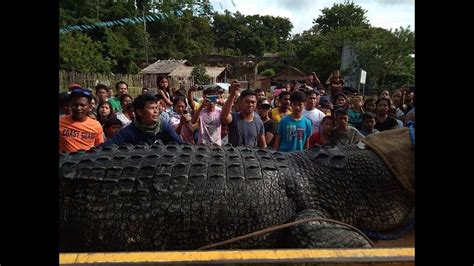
{"x":317,"y":53}
{"x":252,"y":35}
{"x":200,"y":31}
{"x":386,"y":54}
{"x":200,"y":76}
{"x":268,"y":72}
{"x":117,"y":47}
{"x":276,"y":66}
{"x":347,"y":14}
{"x":80,"y":53}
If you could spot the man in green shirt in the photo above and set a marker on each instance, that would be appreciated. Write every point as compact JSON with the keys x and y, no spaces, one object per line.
{"x":122,"y":88}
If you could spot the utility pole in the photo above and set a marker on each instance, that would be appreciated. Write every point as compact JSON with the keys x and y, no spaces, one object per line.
{"x":146,"y":35}
{"x":97,"y":9}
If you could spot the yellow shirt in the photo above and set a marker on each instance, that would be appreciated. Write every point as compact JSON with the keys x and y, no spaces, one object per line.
{"x":276,"y":115}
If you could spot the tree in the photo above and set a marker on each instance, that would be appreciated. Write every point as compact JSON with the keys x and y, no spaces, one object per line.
{"x":252,"y":35}
{"x":117,"y":46}
{"x":386,"y":54}
{"x":316,"y":53}
{"x":199,"y":75}
{"x":268,"y":72}
{"x":347,"y":14}
{"x":79,"y":53}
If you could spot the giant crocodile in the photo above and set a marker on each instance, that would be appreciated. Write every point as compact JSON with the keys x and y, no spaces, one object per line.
{"x":182,"y":197}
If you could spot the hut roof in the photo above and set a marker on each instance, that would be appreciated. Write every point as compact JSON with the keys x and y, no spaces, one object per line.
{"x":185,"y":71}
{"x":164,"y":66}
{"x":287,"y":73}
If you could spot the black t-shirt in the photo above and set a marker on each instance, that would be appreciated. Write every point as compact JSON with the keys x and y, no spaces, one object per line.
{"x":270,"y":126}
{"x":389,"y":123}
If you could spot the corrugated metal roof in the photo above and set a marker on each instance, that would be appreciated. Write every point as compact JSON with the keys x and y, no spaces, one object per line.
{"x":214,"y":71}
{"x":185,"y":71}
{"x":164,"y":66}
{"x":181,"y":71}
{"x":284,"y":73}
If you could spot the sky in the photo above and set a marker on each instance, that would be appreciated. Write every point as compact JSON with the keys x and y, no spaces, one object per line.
{"x":380,"y":13}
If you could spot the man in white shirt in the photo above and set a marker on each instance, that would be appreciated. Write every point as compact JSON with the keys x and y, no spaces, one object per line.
{"x":311,"y":111}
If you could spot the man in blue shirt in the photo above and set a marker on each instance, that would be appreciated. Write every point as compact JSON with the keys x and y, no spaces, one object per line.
{"x":147,"y":127}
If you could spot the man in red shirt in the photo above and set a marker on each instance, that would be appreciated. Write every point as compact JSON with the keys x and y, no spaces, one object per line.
{"x":77,"y":131}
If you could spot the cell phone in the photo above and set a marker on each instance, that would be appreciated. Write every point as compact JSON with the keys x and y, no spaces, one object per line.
{"x":212,"y":98}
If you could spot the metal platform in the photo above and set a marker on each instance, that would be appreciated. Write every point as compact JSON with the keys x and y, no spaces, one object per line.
{"x":377,"y":256}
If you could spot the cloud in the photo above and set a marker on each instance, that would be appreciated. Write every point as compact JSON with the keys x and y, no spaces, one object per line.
{"x":294,"y":4}
{"x":380,"y":13}
{"x":394,"y":2}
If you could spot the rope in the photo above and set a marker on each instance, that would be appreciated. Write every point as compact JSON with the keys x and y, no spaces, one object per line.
{"x":282,"y":226}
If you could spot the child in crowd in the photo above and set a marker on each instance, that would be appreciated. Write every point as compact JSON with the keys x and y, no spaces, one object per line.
{"x":264,"y":107}
{"x":339,"y":101}
{"x":111,"y":127}
{"x":321,"y":136}
{"x":355,"y":113}
{"x":369,"y":105}
{"x":368,"y":123}
{"x":181,"y":119}
{"x":385,"y":94}
{"x":343,"y":134}
{"x":125,"y":115}
{"x":105,"y":112}
{"x":164,"y":115}
{"x":225,"y":134}
{"x":325,"y":105}
{"x":335,"y":83}
{"x":295,"y":129}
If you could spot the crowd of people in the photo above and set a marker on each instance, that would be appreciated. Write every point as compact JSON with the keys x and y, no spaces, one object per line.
{"x":290,"y":117}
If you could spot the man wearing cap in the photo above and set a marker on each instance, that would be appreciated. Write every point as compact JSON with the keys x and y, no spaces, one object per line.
{"x":73,"y":86}
{"x":325,"y":105}
{"x":244,"y":128}
{"x":78,"y":131}
{"x":264,"y":107}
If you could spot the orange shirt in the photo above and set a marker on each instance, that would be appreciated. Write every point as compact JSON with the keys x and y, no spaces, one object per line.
{"x":75,"y":135}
